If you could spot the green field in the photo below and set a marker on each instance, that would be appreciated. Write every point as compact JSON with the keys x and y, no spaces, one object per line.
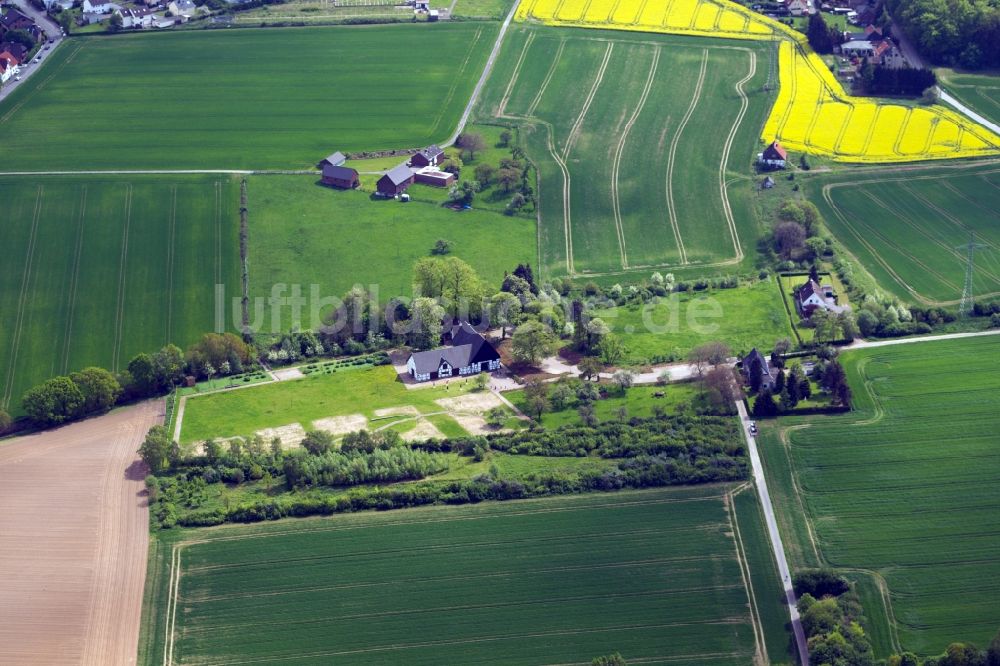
{"x":241,"y":99}
{"x":639,"y":401}
{"x":978,"y":91}
{"x":659,"y":576}
{"x":483,"y":8}
{"x":318,"y":396}
{"x":744,"y":317}
{"x":633,"y":137}
{"x":908,"y":229}
{"x":903,"y":490}
{"x":103,"y":268}
{"x":303,"y":233}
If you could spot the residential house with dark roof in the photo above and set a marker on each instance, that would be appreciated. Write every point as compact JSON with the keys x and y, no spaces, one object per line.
{"x":429,"y":156}
{"x":812,"y":296}
{"x":395,"y":181}
{"x":469,"y":354}
{"x":336,"y":159}
{"x":343,"y":177}
{"x":773,"y":157}
{"x":767,"y":373}
{"x":15,"y":20}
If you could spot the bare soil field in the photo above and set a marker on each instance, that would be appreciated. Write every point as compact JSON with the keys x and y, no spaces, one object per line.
{"x":75,"y":531}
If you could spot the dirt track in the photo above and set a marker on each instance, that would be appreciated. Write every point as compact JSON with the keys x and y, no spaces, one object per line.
{"x":73,"y":540}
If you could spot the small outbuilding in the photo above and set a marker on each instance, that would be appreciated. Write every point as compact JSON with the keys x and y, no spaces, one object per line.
{"x":395,"y":181}
{"x":336,"y":159}
{"x":767,"y":183}
{"x":434,"y":176}
{"x":429,"y":156}
{"x":343,"y":177}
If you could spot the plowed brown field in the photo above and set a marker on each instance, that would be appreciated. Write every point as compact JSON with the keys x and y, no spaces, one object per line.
{"x":73,"y":539}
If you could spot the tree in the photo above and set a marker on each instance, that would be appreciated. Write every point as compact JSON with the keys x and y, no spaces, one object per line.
{"x":993,"y":651}
{"x":764,"y":405}
{"x":515,"y":204}
{"x":426,"y":323}
{"x":611,"y":349}
{"x":560,"y":396}
{"x":624,"y":379}
{"x":818,"y":34}
{"x":721,"y":385}
{"x":441,"y":247}
{"x":213,"y":451}
{"x":115,"y":23}
{"x":587,"y":415}
{"x":495,"y":417}
{"x":157,"y":449}
{"x":779,"y":381}
{"x":464,"y":193}
{"x":531,"y":342}
{"x":789,"y":239}
{"x":54,"y":401}
{"x":317,"y":442}
{"x":507,"y":179}
{"x":609,"y":660}
{"x":5,"y":421}
{"x":484,"y":174}
{"x":143,"y":374}
{"x":755,"y":374}
{"x":471,"y":143}
{"x":590,"y":368}
{"x":451,"y":280}
{"x":99,"y":387}
{"x":536,"y":398}
{"x":505,"y":137}
{"x":505,"y":311}
{"x":708,"y":354}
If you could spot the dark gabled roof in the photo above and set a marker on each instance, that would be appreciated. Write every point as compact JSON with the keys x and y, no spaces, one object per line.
{"x":463,"y":333}
{"x":430,"y":152}
{"x":336,"y":159}
{"x":429,"y":361}
{"x":339,"y":172}
{"x":775,"y":151}
{"x":765,"y":367}
{"x":398,"y":174}
{"x":808,"y":289}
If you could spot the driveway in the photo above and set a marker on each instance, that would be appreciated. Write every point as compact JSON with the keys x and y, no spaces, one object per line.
{"x":51,"y":29}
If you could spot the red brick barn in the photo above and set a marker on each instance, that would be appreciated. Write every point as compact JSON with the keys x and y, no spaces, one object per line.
{"x":429,"y":156}
{"x":395,"y":181}
{"x":343,"y":177}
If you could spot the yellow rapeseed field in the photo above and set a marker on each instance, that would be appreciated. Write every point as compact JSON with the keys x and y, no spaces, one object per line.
{"x":812,"y":112}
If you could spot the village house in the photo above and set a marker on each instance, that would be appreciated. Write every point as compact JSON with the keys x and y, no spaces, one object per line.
{"x":336,"y":159}
{"x":773,"y":157}
{"x":343,"y":177}
{"x":767,"y":373}
{"x":182,"y":8}
{"x":137,"y":18}
{"x":812,"y":296}
{"x":15,"y":20}
{"x":14,"y":50}
{"x":429,"y":156}
{"x":9,"y":66}
{"x":800,"y":7}
{"x":469,"y":354}
{"x":395,"y":181}
{"x":98,"y":7}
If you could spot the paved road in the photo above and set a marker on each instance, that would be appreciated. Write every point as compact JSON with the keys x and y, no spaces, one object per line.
{"x":51,"y":29}
{"x":772,"y":532}
{"x":482,"y":79}
{"x":864,"y":344}
{"x":966,"y":111}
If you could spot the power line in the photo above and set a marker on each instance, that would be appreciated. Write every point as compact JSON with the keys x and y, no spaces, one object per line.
{"x":965,"y":307}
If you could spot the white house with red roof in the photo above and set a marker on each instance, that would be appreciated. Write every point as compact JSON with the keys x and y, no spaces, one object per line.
{"x":773,"y":157}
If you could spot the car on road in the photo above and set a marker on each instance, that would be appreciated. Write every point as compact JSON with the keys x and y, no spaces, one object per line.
{"x":753,"y":427}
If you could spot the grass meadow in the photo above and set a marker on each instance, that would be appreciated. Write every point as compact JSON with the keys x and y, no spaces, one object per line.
{"x":633,"y":137}
{"x":901,"y":493}
{"x":350,"y":391}
{"x":639,"y":402}
{"x":242,"y":99}
{"x":908,"y":229}
{"x":656,"y":575}
{"x":304,"y":233}
{"x":744,"y":317}
{"x":102,"y":268}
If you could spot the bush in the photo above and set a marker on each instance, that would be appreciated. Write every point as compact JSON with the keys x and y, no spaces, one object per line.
{"x":820,"y":583}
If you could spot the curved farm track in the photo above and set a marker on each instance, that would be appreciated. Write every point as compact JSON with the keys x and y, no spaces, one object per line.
{"x":75,"y":535}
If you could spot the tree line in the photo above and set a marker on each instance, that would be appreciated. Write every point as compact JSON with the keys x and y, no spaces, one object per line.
{"x":963,"y":33}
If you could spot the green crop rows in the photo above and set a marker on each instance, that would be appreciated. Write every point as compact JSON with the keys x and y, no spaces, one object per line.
{"x":630,"y":134}
{"x":651,"y":574}
{"x":908,"y":230}
{"x":241,"y":99}
{"x":907,"y":488}
{"x":103,"y":268}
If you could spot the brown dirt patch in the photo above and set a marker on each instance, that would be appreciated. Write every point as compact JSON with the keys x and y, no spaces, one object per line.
{"x":423,"y":430}
{"x":75,"y":532}
{"x":471,"y":403}
{"x":405,"y":410}
{"x":291,"y":435}
{"x":341,"y":425}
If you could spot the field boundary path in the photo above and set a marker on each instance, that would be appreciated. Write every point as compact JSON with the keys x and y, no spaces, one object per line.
{"x":864,"y":344}
{"x":775,"y":536}
{"x":75,"y":529}
{"x":969,"y":113}
{"x":481,"y":83}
